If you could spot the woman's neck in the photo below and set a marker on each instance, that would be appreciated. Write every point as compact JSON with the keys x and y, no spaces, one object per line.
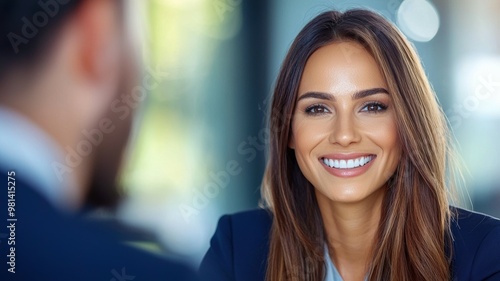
{"x":351,"y":230}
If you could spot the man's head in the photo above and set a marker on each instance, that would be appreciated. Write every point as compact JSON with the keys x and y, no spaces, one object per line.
{"x":63,"y":65}
{"x":27,"y":26}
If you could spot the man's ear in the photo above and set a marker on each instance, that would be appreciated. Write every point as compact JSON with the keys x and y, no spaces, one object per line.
{"x":98,"y":57}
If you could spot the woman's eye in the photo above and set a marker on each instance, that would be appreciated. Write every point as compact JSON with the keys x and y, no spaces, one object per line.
{"x":374,"y":107}
{"x":317,"y":110}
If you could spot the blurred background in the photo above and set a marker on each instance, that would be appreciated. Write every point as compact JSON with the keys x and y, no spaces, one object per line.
{"x":199,"y":147}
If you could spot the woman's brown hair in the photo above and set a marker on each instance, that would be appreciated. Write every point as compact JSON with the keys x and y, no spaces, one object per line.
{"x":413,"y":235}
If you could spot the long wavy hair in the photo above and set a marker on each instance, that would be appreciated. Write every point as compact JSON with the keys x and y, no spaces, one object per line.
{"x":413,"y":240}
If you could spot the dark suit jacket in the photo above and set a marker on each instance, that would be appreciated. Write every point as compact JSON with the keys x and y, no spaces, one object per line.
{"x":50,"y":245}
{"x":239,"y":247}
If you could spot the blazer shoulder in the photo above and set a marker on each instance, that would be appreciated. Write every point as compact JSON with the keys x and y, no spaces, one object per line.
{"x":239,"y":248}
{"x":256,"y":219}
{"x":46,"y":236}
{"x":472,"y":225}
{"x":247,"y":226}
{"x":476,"y":252}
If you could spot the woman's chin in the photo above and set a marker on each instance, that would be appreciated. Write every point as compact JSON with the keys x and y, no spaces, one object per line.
{"x":350,"y":195}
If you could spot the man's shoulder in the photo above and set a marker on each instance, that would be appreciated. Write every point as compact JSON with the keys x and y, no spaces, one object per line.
{"x":53,"y":245}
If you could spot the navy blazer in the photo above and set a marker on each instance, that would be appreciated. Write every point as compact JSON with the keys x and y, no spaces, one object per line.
{"x":239,"y":247}
{"x":50,"y":245}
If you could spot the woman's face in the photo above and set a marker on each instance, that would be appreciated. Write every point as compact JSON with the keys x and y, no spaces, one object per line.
{"x":344,"y":128}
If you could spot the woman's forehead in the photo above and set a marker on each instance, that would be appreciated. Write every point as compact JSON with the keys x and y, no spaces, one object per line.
{"x":341,"y":68}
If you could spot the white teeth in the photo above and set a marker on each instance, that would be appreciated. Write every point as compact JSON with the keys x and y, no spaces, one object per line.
{"x":347,"y":164}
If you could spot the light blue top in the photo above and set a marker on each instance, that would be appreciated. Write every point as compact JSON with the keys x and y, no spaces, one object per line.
{"x":332,"y":274}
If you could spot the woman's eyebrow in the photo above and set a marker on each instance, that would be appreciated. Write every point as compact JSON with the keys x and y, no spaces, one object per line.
{"x":357,"y":95}
{"x":317,"y":95}
{"x":364,"y":93}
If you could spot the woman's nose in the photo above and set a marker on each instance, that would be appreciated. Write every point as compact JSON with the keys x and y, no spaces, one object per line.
{"x":343,"y":130}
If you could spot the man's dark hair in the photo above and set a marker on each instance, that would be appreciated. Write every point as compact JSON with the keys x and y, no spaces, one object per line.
{"x":26,"y":27}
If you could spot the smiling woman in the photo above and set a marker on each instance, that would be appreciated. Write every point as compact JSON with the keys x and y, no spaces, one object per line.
{"x":355,"y":186}
{"x":344,"y":130}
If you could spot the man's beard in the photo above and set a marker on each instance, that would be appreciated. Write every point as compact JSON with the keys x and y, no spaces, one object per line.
{"x":104,"y":190}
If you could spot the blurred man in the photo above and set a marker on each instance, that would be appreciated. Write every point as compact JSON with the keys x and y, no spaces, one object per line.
{"x":66,"y":103}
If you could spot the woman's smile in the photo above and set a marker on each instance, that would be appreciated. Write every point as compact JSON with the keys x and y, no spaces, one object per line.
{"x":347,"y":165}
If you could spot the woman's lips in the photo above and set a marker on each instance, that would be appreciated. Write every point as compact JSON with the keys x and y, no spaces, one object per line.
{"x":347,"y":165}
